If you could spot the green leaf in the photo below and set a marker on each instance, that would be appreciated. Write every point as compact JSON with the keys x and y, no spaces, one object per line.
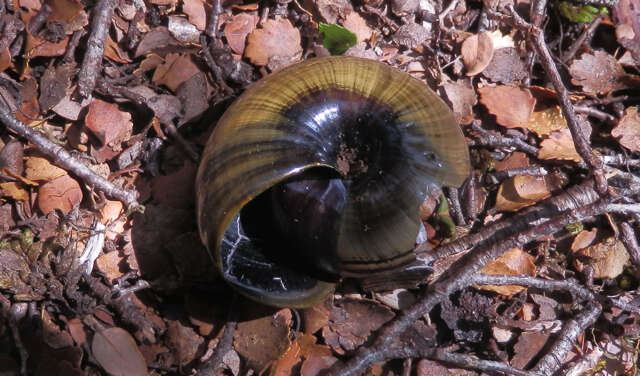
{"x":336,"y":38}
{"x":580,"y":13}
{"x":444,"y":218}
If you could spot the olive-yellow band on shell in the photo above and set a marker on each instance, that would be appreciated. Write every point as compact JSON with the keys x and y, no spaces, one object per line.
{"x":371,"y":137}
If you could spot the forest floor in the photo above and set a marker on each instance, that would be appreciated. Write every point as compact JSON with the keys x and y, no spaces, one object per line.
{"x":106,"y":108}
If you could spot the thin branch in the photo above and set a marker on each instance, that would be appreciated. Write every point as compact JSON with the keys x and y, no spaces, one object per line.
{"x":60,"y":157}
{"x":458,"y":276}
{"x":554,"y":359}
{"x":92,"y":62}
{"x":494,"y":140}
{"x":580,"y":141}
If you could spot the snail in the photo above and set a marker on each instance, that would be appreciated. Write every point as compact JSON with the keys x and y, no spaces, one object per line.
{"x":317,"y":172}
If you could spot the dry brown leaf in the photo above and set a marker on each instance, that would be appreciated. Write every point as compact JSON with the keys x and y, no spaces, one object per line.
{"x":545,"y":121}
{"x":170,"y":189}
{"x":176,"y":70}
{"x":61,"y":193}
{"x":76,"y":329}
{"x":11,"y":157}
{"x":113,"y":51}
{"x":476,"y":51}
{"x":262,"y":340}
{"x":237,"y":29}
{"x":559,"y":145}
{"x":521,"y":191}
{"x":40,"y":169}
{"x":106,"y":122}
{"x":183,"y":342}
{"x":517,"y":159}
{"x":506,"y":67}
{"x":108,"y":265}
{"x":304,"y":349}
{"x":607,"y":258}
{"x":5,"y":59}
{"x":527,"y":348}
{"x":355,"y":23}
{"x":628,"y":129}
{"x":157,"y":38}
{"x":352,"y":321}
{"x":462,"y":98}
{"x":14,"y":190}
{"x":513,"y":262}
{"x":111,"y":212}
{"x":195,"y":10}
{"x":427,"y":367}
{"x":597,"y":73}
{"x":512,"y":106}
{"x":276,"y":38}
{"x":37,"y":46}
{"x":316,"y":317}
{"x":64,"y":10}
{"x":329,"y":10}
{"x":584,"y":239}
{"x":117,"y":353}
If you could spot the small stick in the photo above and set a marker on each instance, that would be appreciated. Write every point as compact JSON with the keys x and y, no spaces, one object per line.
{"x":92,"y":62}
{"x":62,"y":158}
{"x":580,"y":141}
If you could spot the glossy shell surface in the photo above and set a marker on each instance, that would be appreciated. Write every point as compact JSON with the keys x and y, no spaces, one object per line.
{"x":385,"y":133}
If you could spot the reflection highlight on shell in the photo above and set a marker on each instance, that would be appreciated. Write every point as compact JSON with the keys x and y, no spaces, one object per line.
{"x":317,"y":172}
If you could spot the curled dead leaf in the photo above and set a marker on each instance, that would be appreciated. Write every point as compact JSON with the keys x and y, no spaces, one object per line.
{"x":512,"y":106}
{"x":476,"y":51}
{"x":513,"y":262}
{"x":628,"y":129}
{"x":607,"y":258}
{"x":62,"y":193}
{"x":521,"y":191}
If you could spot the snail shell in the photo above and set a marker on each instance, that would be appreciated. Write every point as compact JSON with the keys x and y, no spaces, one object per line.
{"x":318,"y":171}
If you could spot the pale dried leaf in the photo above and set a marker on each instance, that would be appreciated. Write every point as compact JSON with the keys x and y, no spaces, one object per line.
{"x":117,"y":353}
{"x":521,"y":191}
{"x":607,"y":258}
{"x":545,"y":121}
{"x":628,"y":129}
{"x":476,"y":51}
{"x":61,"y":193}
{"x":513,"y":262}
{"x":512,"y":106}
{"x":237,"y":29}
{"x":276,"y":38}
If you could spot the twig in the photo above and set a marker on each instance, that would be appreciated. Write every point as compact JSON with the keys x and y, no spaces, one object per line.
{"x":470,"y":198}
{"x":585,"y":37}
{"x":71,"y":47}
{"x":492,"y":140}
{"x":486,"y":366}
{"x":600,"y":115}
{"x":62,"y":158}
{"x":454,"y":207}
{"x":630,"y":241}
{"x":537,"y":40}
{"x":498,"y":176}
{"x":224,"y":345}
{"x":459,"y":276}
{"x":214,"y":19}
{"x":39,"y":19}
{"x":572,"y":198}
{"x":620,"y":160}
{"x":14,"y":313}
{"x":623,"y":208}
{"x":92,"y":62}
{"x":554,"y":359}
